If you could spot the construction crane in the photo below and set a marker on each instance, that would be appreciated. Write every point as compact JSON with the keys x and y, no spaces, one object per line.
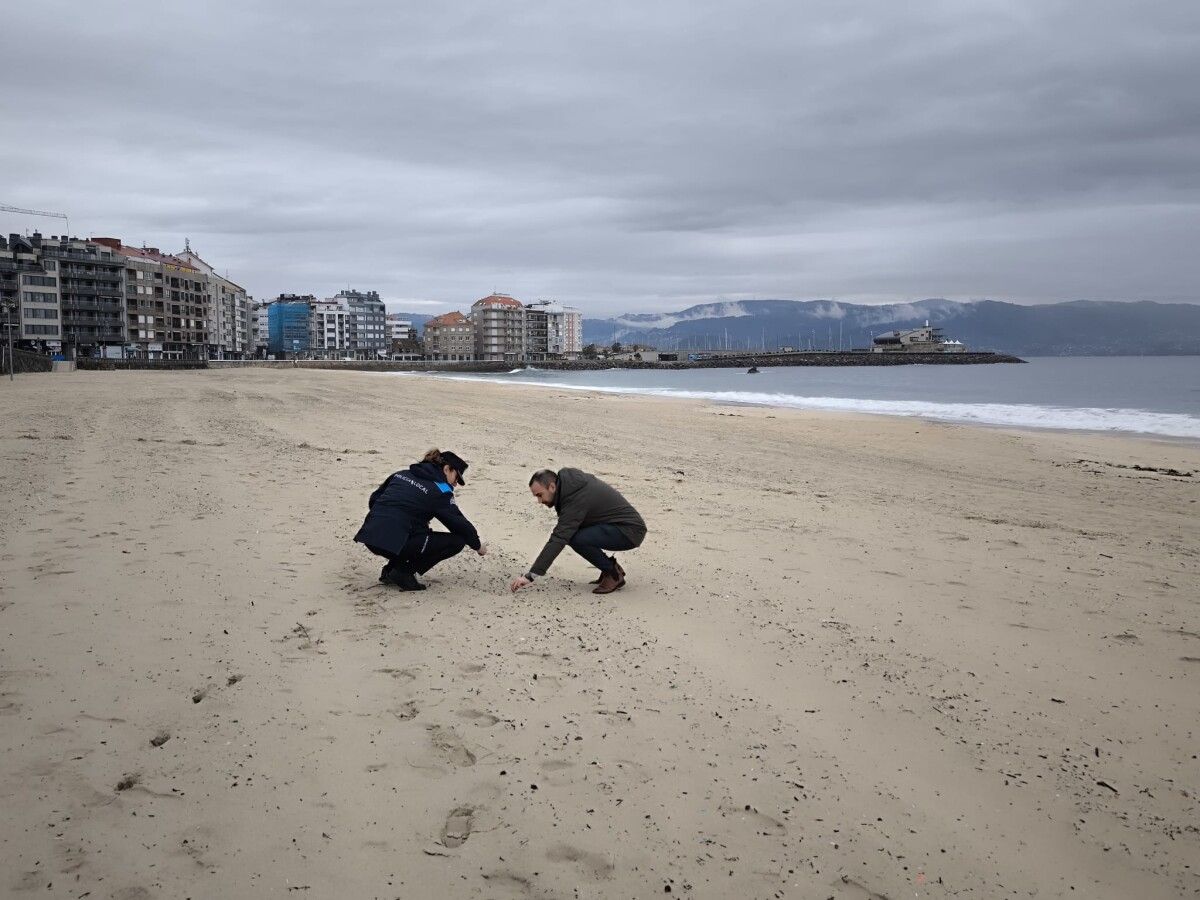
{"x":38,"y":212}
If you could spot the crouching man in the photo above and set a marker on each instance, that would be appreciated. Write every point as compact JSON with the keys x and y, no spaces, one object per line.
{"x":592,"y":517}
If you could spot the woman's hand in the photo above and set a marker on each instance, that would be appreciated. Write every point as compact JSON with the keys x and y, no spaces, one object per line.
{"x":482,"y":551}
{"x":519,"y":582}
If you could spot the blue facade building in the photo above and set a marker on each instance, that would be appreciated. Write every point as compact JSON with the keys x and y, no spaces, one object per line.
{"x":288,"y":327}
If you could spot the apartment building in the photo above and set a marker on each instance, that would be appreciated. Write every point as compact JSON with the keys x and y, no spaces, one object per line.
{"x":400,"y":328}
{"x":330,"y":329}
{"x":91,"y":293}
{"x":564,"y":328}
{"x":537,"y":345}
{"x":229,"y":312}
{"x":499,"y":322}
{"x":289,"y":325}
{"x":29,"y":295}
{"x":450,"y":337}
{"x":164,"y":303}
{"x":262,"y":328}
{"x":366,"y":323}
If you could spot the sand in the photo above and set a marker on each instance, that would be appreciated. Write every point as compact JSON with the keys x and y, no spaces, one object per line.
{"x":857,"y":657}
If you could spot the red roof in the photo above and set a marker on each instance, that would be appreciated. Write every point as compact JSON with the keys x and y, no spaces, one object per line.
{"x":150,"y":253}
{"x":450,"y":318}
{"x":498,"y":300}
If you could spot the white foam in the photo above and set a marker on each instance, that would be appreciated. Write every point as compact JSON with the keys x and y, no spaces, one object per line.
{"x":1015,"y":415}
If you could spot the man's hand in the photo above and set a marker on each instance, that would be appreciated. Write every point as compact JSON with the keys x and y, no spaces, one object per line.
{"x":519,"y":582}
{"x":482,"y":551}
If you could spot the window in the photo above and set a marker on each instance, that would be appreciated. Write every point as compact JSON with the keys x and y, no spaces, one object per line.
{"x":41,"y":329}
{"x":38,"y":297}
{"x":41,"y":280}
{"x":37,"y":313}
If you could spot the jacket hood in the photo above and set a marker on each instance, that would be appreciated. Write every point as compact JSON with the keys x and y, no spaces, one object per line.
{"x":428,"y":471}
{"x":569,"y":481}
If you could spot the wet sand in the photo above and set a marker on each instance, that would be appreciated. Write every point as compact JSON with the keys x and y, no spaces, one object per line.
{"x":857,"y":657}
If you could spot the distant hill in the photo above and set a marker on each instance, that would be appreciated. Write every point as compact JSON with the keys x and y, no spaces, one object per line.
{"x":1077,"y":328}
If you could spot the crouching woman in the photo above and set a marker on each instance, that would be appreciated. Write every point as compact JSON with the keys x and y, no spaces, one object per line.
{"x":399,"y":512}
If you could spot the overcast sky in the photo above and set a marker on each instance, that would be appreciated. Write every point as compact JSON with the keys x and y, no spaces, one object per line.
{"x":618,"y":156}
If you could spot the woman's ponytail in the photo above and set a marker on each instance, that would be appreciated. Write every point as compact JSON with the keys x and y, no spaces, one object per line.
{"x":434,"y":456}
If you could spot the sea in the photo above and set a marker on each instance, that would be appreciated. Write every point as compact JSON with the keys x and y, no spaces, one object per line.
{"x":1149,"y":395}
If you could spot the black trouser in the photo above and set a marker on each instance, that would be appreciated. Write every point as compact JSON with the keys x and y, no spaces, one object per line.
{"x":592,"y":541}
{"x":422,"y":552}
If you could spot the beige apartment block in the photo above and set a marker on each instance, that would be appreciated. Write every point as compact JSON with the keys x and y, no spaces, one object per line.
{"x":499,"y":328}
{"x":450,"y":337}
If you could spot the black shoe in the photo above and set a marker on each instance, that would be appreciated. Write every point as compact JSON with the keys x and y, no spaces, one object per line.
{"x":385,"y":572}
{"x":406,"y":581}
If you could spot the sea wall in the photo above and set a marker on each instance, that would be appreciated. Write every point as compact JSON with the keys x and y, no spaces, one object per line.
{"x":742,"y":361}
{"x":23,"y":361}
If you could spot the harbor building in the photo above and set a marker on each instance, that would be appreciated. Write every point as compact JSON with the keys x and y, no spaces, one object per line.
{"x":926,"y":339}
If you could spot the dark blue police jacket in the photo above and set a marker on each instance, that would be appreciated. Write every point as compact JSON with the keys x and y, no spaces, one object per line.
{"x":403,"y":505}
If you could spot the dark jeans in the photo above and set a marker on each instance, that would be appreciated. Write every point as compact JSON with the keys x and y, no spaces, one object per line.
{"x":592,"y":541}
{"x":422,"y":552}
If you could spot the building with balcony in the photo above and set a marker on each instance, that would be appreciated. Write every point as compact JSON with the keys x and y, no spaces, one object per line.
{"x":91,"y":293}
{"x":450,"y":337}
{"x":29,"y":296}
{"x":499,"y":322}
{"x":228,"y":312}
{"x":400,"y":328}
{"x":164,"y":303}
{"x":564,"y":328}
{"x":366,"y":323}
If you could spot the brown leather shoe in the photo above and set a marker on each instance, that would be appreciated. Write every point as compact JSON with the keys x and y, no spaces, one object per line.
{"x":620,"y":572}
{"x":609,"y":582}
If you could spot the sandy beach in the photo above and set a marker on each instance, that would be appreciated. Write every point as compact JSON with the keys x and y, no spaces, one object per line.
{"x":857,"y":657}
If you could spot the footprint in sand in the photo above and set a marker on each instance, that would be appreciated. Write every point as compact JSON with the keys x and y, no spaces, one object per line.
{"x":502,"y":884}
{"x":405,"y":711}
{"x":399,"y":674}
{"x":479,"y":717}
{"x":450,"y":747}
{"x":458,"y":826}
{"x":592,"y":865}
{"x":159,"y":739}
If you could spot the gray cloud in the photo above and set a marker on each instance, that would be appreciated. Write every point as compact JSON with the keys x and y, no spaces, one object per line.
{"x":624,"y":156}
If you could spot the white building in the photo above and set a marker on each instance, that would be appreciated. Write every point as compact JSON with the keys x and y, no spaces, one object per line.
{"x":330,"y":324}
{"x":400,"y":329}
{"x":564,"y":328}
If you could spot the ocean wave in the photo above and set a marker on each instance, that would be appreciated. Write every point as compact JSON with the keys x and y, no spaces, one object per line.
{"x":1014,"y":415}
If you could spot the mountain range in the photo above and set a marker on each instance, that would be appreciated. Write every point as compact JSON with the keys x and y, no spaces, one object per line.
{"x":1076,"y":328}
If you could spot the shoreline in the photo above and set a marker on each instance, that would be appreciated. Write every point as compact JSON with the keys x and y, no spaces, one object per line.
{"x":849,"y":409}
